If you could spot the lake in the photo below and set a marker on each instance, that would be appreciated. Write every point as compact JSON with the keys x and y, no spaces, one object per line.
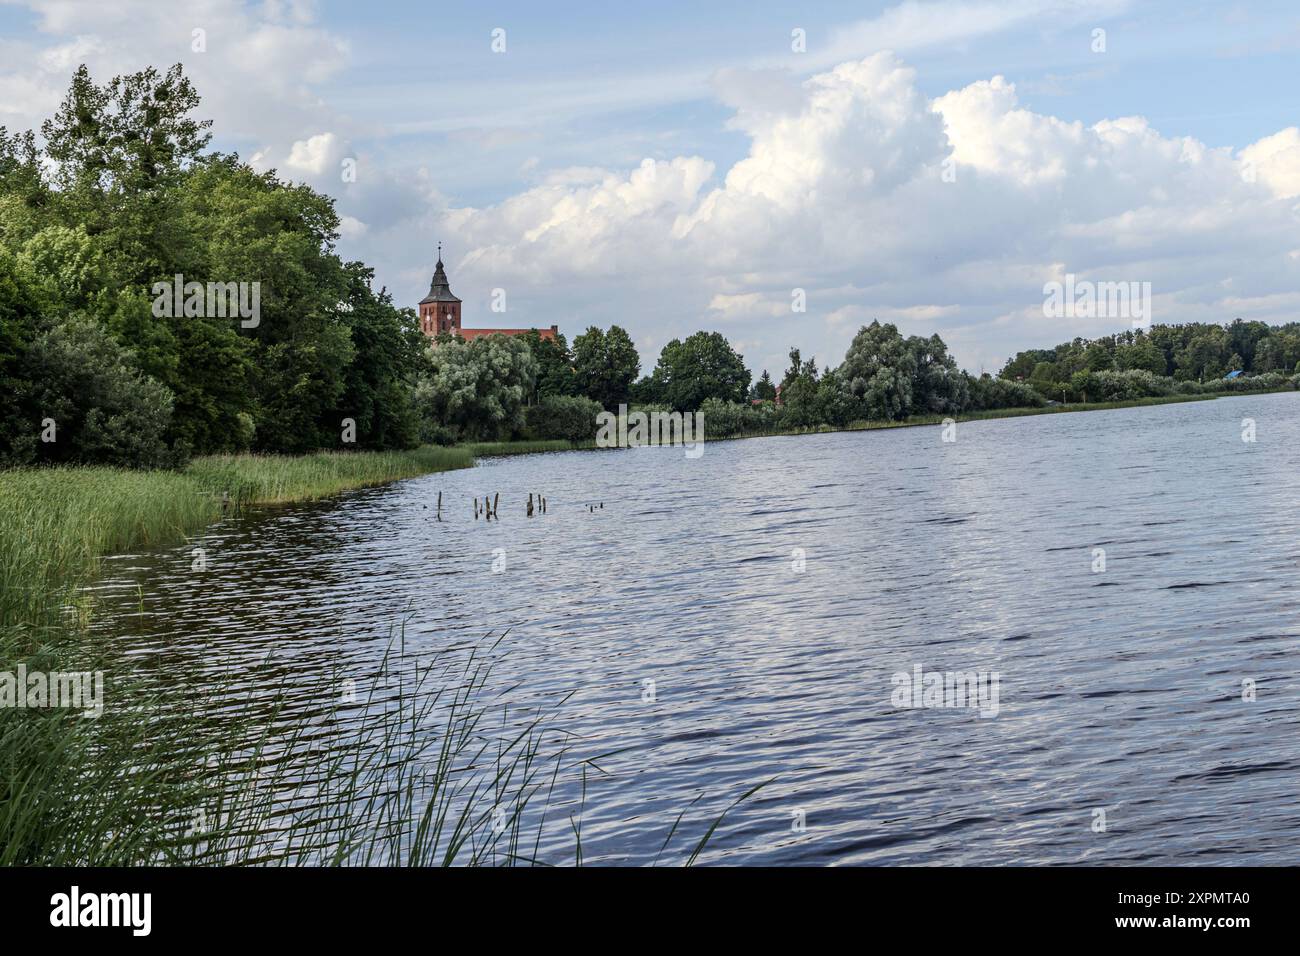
{"x":771,"y":589}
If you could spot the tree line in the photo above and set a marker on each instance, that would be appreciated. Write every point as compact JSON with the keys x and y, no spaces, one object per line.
{"x":122,"y":194}
{"x":495,"y":387}
{"x":1164,"y":359}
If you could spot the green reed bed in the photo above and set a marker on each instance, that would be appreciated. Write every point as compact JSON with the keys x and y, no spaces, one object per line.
{"x":411,"y":769}
{"x":56,"y":523}
{"x":245,"y":771}
{"x":74,"y":789}
{"x":278,"y":479}
{"x":497,"y":449}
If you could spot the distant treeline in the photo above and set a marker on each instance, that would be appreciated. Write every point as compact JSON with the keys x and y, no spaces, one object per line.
{"x":122,"y":196}
{"x":883,"y":377}
{"x":1195,"y":353}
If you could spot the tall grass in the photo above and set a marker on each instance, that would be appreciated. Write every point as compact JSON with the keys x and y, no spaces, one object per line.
{"x":249,"y":770}
{"x":56,"y":523}
{"x":74,"y":789}
{"x":493,"y":449}
{"x":278,"y":479}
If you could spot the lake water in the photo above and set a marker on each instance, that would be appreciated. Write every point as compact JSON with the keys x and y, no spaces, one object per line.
{"x":771,"y":589}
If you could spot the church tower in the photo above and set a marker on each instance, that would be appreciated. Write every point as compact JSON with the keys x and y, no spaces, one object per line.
{"x":439,"y":310}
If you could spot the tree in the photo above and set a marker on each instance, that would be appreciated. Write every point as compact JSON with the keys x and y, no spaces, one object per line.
{"x":605,"y":365}
{"x":102,"y":409}
{"x":800,"y":393}
{"x":378,"y":383}
{"x":878,"y":371}
{"x":938,"y":385}
{"x":475,"y":390}
{"x":703,"y":366}
{"x":1022,"y":366}
{"x":1244,"y":337}
{"x":763,"y":390}
{"x":138,"y":201}
{"x":1141,"y":354}
{"x":1204,"y":356}
{"x":565,"y":417}
{"x":555,"y":374}
{"x":1099,"y":356}
{"x":18,"y":327}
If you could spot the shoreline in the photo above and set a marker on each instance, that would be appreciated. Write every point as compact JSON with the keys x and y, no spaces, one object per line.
{"x":65,"y":519}
{"x":57,"y":524}
{"x":531,"y":447}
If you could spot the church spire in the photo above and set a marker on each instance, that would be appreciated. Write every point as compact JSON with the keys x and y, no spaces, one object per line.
{"x":439,"y":287}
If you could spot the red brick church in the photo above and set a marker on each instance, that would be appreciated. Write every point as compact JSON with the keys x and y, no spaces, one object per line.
{"x":440,"y":312}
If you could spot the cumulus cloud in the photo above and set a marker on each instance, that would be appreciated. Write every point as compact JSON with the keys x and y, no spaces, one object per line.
{"x":1275,"y":160}
{"x":269,"y":54}
{"x":945,"y":214}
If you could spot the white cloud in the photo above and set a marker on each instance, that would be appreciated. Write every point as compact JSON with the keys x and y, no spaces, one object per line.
{"x":266,"y":55}
{"x":845,"y":195}
{"x":842,"y":189}
{"x":316,"y":155}
{"x":1275,"y":161}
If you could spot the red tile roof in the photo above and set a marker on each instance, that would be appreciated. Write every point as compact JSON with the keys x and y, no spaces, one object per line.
{"x":469,"y":334}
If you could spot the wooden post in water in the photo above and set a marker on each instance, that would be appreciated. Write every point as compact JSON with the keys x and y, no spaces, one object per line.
{"x":530,"y":504}
{"x":476,"y":509}
{"x":496,"y":503}
{"x":440,"y":506}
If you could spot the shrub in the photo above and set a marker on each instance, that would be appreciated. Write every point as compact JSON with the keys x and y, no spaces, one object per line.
{"x":104,"y":410}
{"x":565,"y":417}
{"x":987,"y":392}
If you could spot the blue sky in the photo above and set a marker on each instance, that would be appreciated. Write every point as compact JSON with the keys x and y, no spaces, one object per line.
{"x":768,"y":170}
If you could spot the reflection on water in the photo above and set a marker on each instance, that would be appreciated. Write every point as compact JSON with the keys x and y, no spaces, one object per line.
{"x":1119,"y":690}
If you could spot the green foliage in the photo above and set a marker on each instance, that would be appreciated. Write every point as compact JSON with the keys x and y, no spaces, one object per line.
{"x":764,"y":390}
{"x":101,"y":409}
{"x":123,"y":195}
{"x":938,"y":386}
{"x":800,"y":393}
{"x":476,"y":389}
{"x":1194,"y":352}
{"x":605,"y":365}
{"x":18,"y":325}
{"x":879,"y":370}
{"x":987,"y":392}
{"x":555,"y":372}
{"x":568,"y":417}
{"x":728,"y":419}
{"x":702,"y":367}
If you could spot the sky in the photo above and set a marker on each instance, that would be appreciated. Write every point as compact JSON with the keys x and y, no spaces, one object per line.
{"x":685,"y":166}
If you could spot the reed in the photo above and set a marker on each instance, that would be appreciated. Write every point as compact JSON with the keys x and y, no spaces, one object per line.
{"x":240,"y":771}
{"x":497,"y":449}
{"x":279,"y":479}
